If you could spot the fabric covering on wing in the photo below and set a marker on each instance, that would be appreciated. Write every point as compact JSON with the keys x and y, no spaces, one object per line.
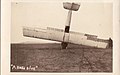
{"x":48,"y":34}
{"x":57,"y":35}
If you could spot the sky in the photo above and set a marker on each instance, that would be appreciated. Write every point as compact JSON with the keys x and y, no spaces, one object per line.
{"x":91,"y":18}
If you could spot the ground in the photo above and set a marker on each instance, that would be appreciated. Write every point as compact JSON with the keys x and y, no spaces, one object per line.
{"x":51,"y":58}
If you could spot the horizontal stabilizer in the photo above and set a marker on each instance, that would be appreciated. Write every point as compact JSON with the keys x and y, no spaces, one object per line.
{"x":71,"y":6}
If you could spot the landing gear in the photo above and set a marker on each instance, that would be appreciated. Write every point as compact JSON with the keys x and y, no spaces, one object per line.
{"x":64,"y":45}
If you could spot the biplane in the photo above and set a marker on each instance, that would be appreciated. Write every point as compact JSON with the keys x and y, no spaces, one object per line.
{"x":66,"y":36}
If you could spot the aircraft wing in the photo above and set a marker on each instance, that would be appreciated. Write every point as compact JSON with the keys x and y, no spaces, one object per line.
{"x":48,"y":34}
{"x":88,"y":40}
{"x":73,"y":37}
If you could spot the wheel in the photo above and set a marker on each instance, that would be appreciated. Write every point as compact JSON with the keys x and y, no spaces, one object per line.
{"x":64,"y":45}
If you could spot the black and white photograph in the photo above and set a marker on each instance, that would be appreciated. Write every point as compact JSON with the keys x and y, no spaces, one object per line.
{"x":61,"y":37}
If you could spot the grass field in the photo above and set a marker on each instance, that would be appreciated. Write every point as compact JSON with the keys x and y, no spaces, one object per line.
{"x":51,"y":58}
